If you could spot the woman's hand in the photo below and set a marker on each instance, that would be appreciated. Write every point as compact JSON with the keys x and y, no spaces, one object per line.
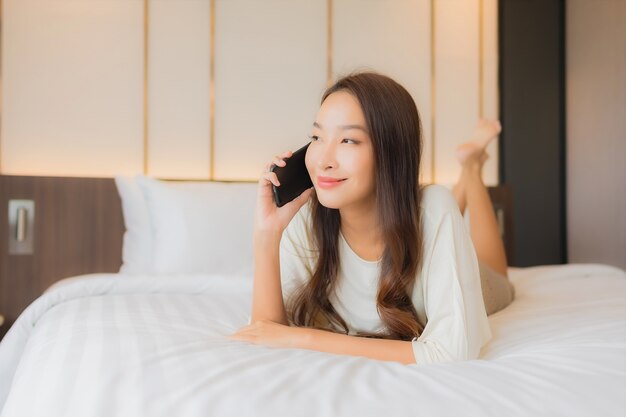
{"x":269,"y":217}
{"x":266,"y":332}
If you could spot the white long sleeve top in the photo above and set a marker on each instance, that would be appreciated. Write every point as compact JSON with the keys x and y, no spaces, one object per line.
{"x":447,"y":293}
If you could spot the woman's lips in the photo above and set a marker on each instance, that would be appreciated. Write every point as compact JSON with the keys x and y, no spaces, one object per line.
{"x":329,"y":182}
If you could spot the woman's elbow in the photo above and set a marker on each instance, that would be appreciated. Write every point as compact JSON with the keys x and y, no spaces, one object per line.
{"x":429,"y":351}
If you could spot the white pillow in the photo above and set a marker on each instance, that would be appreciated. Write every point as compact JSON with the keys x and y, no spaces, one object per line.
{"x":137,"y":243}
{"x":193,"y":227}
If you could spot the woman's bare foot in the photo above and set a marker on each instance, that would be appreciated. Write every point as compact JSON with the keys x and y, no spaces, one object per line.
{"x":474,"y":150}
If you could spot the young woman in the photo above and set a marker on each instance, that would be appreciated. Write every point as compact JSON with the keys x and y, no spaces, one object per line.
{"x":370,"y":263}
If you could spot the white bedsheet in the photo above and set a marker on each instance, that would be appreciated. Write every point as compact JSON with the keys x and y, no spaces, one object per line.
{"x":112,"y":345}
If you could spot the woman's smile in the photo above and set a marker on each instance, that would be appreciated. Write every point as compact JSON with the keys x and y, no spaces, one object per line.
{"x":329,"y":182}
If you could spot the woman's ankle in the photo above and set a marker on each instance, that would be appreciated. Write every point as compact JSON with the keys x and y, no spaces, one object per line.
{"x":472,"y":170}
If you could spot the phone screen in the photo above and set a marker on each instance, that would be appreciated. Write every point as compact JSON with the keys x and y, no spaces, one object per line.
{"x":293,"y":177}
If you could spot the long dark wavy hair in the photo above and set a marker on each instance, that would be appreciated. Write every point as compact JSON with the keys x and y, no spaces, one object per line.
{"x":395,"y":129}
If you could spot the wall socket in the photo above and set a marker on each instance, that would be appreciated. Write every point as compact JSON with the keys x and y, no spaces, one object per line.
{"x":21,"y":227}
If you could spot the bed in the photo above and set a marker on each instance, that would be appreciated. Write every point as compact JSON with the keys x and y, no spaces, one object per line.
{"x":151,"y":339}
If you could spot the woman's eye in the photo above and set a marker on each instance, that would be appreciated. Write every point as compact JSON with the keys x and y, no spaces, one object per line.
{"x":313,"y":138}
{"x":351,"y":141}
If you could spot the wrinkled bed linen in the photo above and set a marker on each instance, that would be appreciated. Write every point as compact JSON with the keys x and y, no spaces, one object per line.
{"x":114,"y":345}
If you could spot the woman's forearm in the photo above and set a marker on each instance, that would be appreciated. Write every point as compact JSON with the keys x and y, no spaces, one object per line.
{"x":381,"y":349}
{"x":267,"y":297}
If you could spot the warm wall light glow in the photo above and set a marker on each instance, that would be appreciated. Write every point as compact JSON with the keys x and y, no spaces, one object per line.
{"x":239,"y":171}
{"x":64,"y":164}
{"x":210,"y":114}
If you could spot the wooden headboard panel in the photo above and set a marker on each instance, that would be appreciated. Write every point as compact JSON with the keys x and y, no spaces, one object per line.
{"x":78,"y":229}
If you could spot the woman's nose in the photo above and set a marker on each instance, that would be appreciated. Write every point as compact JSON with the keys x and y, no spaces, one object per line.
{"x":327,"y":158}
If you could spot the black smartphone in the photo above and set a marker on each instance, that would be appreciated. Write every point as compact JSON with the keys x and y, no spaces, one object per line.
{"x":293,"y":177}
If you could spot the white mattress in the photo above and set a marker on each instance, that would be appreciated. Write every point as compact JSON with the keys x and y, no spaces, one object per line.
{"x":112,"y":345}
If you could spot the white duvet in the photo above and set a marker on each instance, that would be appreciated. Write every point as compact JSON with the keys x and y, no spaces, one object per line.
{"x":113,"y":345}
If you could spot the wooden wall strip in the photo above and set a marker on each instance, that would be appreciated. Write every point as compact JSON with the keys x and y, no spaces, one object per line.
{"x":146,"y":65}
{"x":532,"y":68}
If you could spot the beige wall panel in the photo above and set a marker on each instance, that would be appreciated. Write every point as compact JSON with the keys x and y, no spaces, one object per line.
{"x":270,"y":72}
{"x":178,"y":89}
{"x":457,"y":75}
{"x":596,"y":131}
{"x":490,"y":90}
{"x":457,"y":88}
{"x":391,"y":37}
{"x":72,"y":87}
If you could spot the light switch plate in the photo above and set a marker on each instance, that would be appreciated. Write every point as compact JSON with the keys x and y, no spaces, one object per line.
{"x":21,"y":227}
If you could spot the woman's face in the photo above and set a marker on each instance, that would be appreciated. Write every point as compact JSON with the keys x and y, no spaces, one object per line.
{"x":340,"y":159}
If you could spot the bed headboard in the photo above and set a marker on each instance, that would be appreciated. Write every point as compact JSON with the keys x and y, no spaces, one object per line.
{"x":502,"y":200}
{"x":78,"y":229}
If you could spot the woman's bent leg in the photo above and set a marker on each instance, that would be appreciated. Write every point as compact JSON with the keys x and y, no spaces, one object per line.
{"x":484,"y":228}
{"x":472,"y":195}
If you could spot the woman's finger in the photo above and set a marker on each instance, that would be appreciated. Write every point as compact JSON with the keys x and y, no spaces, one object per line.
{"x":271,"y":177}
{"x":279,"y":161}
